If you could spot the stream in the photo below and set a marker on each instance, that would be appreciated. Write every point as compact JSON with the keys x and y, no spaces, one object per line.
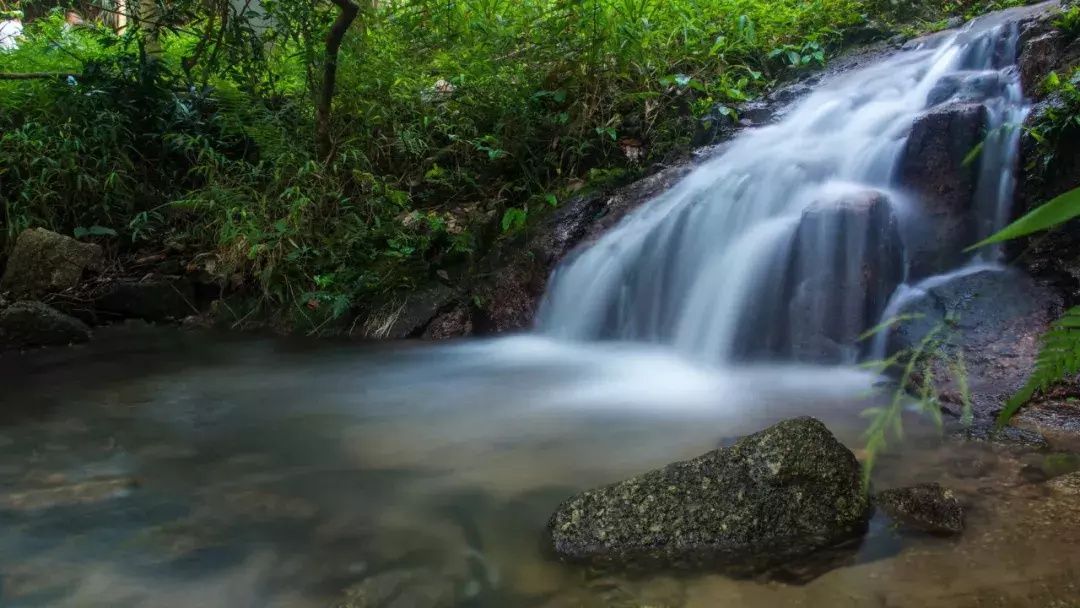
{"x":155,"y":468}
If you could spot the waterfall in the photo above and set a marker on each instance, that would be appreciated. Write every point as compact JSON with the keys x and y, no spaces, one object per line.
{"x":791,"y":242}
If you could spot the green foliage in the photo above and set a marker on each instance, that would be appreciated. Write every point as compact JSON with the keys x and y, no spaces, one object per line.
{"x":916,"y":388}
{"x":1052,"y":213}
{"x":1058,"y":360}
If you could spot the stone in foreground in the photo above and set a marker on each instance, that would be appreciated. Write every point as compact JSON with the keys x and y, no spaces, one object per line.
{"x":772,"y":498}
{"x":44,"y":262}
{"x":927,"y":507}
{"x":30,"y":324}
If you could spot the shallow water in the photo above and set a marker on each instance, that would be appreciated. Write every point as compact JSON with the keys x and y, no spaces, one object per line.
{"x":160,"y":469}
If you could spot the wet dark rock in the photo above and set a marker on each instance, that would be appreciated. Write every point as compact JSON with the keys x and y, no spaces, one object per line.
{"x":1033,"y":474}
{"x":847,"y":259}
{"x":566,"y":228}
{"x":994,"y":318}
{"x":507,"y":301}
{"x":31,"y":324}
{"x":775,"y":496}
{"x":1051,"y":415}
{"x":44,"y":262}
{"x":1053,"y":254}
{"x":870,"y":32}
{"x":150,"y":300}
{"x":932,"y":168}
{"x":1009,"y":438}
{"x":1039,"y":56}
{"x":926,"y":507}
{"x":969,"y":467}
{"x":408,"y":317}
{"x":416,"y":588}
{"x":453,"y":324}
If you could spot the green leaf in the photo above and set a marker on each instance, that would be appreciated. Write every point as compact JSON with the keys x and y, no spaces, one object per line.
{"x":513,"y":218}
{"x":551,"y":200}
{"x":971,"y":156}
{"x":1052,"y":213}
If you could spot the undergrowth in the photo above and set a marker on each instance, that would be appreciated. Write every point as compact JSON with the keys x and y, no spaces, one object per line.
{"x":456,"y":125}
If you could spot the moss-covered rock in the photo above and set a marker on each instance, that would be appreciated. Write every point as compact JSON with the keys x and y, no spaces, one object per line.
{"x":773,"y":497}
{"x":44,"y":262}
{"x":927,"y":507}
{"x":30,"y":324}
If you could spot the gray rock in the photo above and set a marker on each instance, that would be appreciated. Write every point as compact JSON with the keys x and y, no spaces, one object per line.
{"x":408,"y":317}
{"x":151,"y":300}
{"x":1009,"y":438}
{"x":994,"y":318}
{"x":44,"y":262}
{"x":927,"y":507}
{"x":932,"y":167}
{"x":453,"y":324}
{"x":29,"y":324}
{"x":775,"y":496}
{"x":1039,"y":56}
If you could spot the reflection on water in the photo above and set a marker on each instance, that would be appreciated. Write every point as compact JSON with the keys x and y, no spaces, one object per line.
{"x":157,"y":470}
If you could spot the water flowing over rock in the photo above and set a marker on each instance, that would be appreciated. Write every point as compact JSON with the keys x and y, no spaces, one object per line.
{"x":840,"y":293}
{"x":723,"y":266}
{"x":773,"y":497}
{"x":44,"y":262}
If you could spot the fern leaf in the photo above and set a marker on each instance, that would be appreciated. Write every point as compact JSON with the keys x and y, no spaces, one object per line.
{"x":1058,"y":359}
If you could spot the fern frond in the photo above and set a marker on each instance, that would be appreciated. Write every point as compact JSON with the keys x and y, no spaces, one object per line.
{"x":1058,"y":359}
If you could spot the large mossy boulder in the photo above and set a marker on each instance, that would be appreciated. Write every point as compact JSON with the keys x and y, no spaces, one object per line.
{"x":44,"y":262}
{"x":771,"y":498}
{"x":32,"y":324}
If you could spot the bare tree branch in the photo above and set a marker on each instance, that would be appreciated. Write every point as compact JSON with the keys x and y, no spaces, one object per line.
{"x":348,"y":10}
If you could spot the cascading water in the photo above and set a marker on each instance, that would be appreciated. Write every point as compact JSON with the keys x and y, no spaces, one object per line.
{"x":790,"y":243}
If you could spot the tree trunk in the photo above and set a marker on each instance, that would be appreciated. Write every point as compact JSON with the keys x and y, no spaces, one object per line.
{"x":149,"y":16}
{"x":348,"y":11}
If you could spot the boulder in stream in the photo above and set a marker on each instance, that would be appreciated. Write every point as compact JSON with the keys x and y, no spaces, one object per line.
{"x":774,"y":497}
{"x":932,"y":167}
{"x":927,"y":507}
{"x":31,"y":324}
{"x":45,"y":262}
{"x":847,"y":259}
{"x":993,"y":317}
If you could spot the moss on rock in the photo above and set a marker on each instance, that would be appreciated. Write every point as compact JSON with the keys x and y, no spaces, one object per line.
{"x":773,"y":497}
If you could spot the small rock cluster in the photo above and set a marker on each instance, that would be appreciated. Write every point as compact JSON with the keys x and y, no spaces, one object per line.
{"x":46,"y":301}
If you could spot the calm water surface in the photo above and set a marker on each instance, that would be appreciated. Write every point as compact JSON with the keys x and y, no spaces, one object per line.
{"x":161,"y":469}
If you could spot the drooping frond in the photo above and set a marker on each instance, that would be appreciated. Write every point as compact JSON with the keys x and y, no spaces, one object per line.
{"x":1058,"y":359}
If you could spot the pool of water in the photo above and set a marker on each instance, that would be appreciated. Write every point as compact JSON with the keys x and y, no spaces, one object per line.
{"x":163,"y":469}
